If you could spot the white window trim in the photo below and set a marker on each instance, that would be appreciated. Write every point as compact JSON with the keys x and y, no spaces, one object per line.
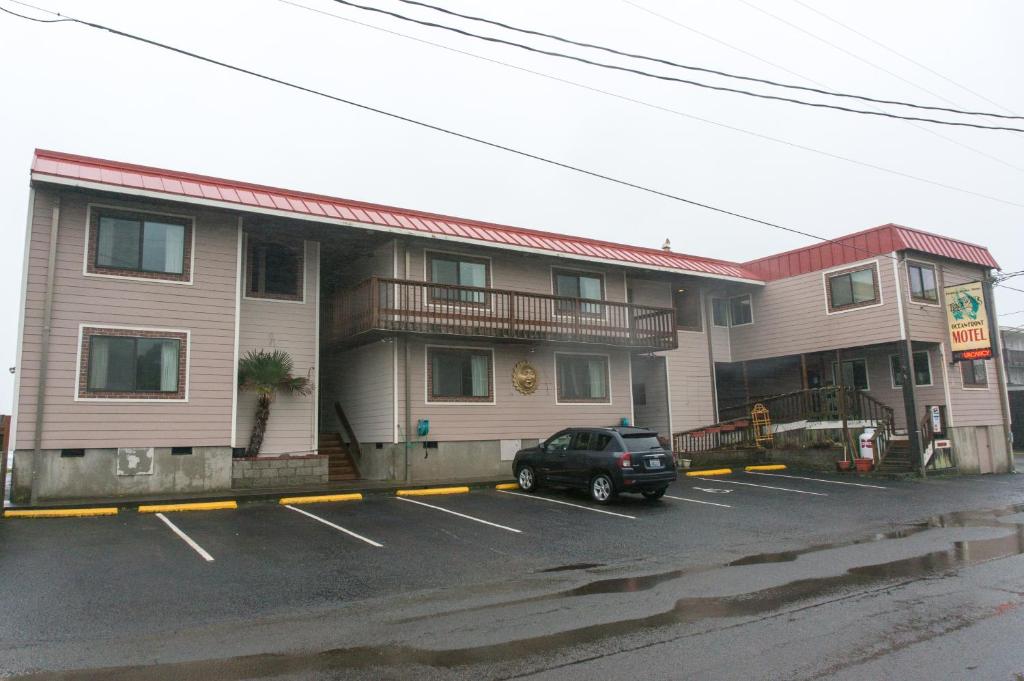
{"x":867,"y":372}
{"x":148,"y":280}
{"x":133,"y":400}
{"x":474,"y":403}
{"x":931,"y":377}
{"x":603,"y":299}
{"x":261,"y":299}
{"x":938,"y":283}
{"x":584,"y":403}
{"x":853,"y":266}
{"x":976,"y":388}
{"x":752,"y":320}
{"x":426,"y":252}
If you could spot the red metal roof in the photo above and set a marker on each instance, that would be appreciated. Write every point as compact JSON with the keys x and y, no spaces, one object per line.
{"x":187,"y":186}
{"x":868,"y":243}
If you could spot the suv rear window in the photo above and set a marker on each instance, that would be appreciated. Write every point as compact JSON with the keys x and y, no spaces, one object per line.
{"x":641,"y":442}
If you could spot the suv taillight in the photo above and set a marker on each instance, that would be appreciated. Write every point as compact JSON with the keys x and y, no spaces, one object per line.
{"x":625,"y":460}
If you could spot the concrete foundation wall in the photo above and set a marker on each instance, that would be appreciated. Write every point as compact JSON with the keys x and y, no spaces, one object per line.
{"x":94,"y":475}
{"x":449,"y":461}
{"x":980,"y":449}
{"x":278,"y":471}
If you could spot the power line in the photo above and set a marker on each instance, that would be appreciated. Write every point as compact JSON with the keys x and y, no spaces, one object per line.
{"x":650,"y":105}
{"x":699,"y":69}
{"x":684,"y":81}
{"x":448,"y":131}
{"x":1010,"y":314}
{"x":791,"y":72}
{"x":902,"y":56}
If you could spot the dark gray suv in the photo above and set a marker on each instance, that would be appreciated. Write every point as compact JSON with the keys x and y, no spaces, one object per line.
{"x":604,"y":461}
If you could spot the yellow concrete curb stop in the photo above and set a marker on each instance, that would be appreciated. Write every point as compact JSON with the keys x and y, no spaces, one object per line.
{"x":767,"y":467}
{"x":201,"y":506}
{"x":713,"y":471}
{"x":59,"y":512}
{"x":507,"y":485}
{"x":356,"y":496}
{"x":431,"y":490}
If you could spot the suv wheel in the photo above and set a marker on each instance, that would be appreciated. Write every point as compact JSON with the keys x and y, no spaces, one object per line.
{"x":527,"y":479}
{"x":602,"y":489}
{"x":654,"y":493}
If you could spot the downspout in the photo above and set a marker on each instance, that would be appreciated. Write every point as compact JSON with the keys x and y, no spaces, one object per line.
{"x":44,"y":355}
{"x":708,"y":326}
{"x":997,"y":353}
{"x":408,"y":388}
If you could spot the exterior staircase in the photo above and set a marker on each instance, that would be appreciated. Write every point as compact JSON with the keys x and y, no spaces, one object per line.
{"x":341,"y":466}
{"x":897,"y":456}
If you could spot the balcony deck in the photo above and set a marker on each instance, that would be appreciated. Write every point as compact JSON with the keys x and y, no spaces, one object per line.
{"x":383,"y":306}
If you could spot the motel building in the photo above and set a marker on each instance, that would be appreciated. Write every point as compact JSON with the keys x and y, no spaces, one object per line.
{"x":437,"y":346}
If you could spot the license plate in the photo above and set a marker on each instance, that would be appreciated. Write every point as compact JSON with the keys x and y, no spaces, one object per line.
{"x":655,"y":463}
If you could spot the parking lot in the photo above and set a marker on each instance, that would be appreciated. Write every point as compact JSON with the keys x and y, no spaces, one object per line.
{"x":145,"y":573}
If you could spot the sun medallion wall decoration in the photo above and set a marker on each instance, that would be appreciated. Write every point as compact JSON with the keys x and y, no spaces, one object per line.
{"x":524,"y":378}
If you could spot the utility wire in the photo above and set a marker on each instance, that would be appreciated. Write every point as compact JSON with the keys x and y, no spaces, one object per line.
{"x":684,"y":81}
{"x":700,"y":69}
{"x":791,"y":72}
{"x":902,"y":56}
{"x":448,"y":131}
{"x":650,"y":105}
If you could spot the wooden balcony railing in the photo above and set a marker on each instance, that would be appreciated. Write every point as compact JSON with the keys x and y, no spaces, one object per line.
{"x":397,"y":305}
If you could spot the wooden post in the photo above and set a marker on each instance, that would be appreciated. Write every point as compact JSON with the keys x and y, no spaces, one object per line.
{"x":841,"y":395}
{"x":803,"y":371}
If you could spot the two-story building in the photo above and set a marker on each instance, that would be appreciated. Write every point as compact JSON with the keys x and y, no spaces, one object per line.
{"x":437,"y":346}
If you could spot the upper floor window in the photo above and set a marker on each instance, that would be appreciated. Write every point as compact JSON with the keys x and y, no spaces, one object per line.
{"x":274,"y":268}
{"x":854,"y":374}
{"x":922,"y":369}
{"x":459,"y":375}
{"x":581,"y":378}
{"x":720,"y":311}
{"x":143,"y":245}
{"x":132,"y":364}
{"x":974,"y":373}
{"x":687,"y":304}
{"x":741,"y":310}
{"x":923,"y":287}
{"x":852,"y":288}
{"x":585,"y":285}
{"x":457,"y":270}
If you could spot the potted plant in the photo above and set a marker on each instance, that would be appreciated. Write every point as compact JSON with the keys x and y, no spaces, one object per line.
{"x":864,"y":465}
{"x":266,"y":373}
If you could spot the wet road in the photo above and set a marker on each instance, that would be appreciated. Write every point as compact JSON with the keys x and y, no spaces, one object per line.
{"x":774,"y":577}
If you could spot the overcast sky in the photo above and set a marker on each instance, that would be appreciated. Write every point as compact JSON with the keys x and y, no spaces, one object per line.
{"x":79,"y":90}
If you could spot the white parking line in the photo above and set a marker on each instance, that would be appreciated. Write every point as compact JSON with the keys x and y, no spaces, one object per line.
{"x":461,"y":515}
{"x":834,"y":482}
{"x":695,"y":501}
{"x":750,"y":484}
{"x":566,"y":503}
{"x":187,"y":539}
{"x":337,"y":527}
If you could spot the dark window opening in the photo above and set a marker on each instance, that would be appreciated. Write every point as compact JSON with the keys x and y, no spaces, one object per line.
{"x":974,"y":372}
{"x":579,"y":285}
{"x":922,"y":369}
{"x":853,"y":289}
{"x":68,"y":453}
{"x":582,"y":378}
{"x":854,"y":374}
{"x":687,"y":304}
{"x":720,"y":311}
{"x":275,"y":269}
{"x":923,"y":286}
{"x":741,"y":310}
{"x":458,"y":271}
{"x":181,"y":451}
{"x":459,"y":375}
{"x":124,"y":364}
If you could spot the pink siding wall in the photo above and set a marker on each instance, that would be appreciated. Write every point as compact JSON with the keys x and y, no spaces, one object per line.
{"x":291,"y":326}
{"x":205,"y":308}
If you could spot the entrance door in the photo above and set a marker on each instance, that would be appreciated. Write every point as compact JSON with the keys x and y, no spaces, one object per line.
{"x":984,"y":449}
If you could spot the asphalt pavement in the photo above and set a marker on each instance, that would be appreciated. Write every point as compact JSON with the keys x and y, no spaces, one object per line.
{"x":753,"y":575}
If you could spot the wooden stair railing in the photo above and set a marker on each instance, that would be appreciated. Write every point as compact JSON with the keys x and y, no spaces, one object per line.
{"x":353,"y":441}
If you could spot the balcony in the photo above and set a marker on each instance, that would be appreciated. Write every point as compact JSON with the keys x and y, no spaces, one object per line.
{"x":380,"y":306}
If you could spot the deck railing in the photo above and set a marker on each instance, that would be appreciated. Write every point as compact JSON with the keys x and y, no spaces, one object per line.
{"x":395,"y":305}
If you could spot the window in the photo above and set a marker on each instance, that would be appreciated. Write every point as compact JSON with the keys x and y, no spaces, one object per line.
{"x":456,"y":375}
{"x":922,"y":369}
{"x":559,"y":443}
{"x":578,"y":285}
{"x":853,"y":288}
{"x":274,"y":268}
{"x":590,"y":441}
{"x":741,"y":311}
{"x":720,"y":311}
{"x":974,"y":373}
{"x":687,"y":304}
{"x":582,"y":378}
{"x":923,"y":288}
{"x":854,"y":374}
{"x":139,"y":244}
{"x":132,"y":364}
{"x":457,"y":271}
{"x":641,"y":442}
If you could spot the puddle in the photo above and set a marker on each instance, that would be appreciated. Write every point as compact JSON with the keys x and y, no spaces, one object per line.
{"x":686,"y":610}
{"x":571,"y":567}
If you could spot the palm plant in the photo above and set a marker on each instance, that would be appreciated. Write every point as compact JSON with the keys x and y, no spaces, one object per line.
{"x":266,"y":373}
